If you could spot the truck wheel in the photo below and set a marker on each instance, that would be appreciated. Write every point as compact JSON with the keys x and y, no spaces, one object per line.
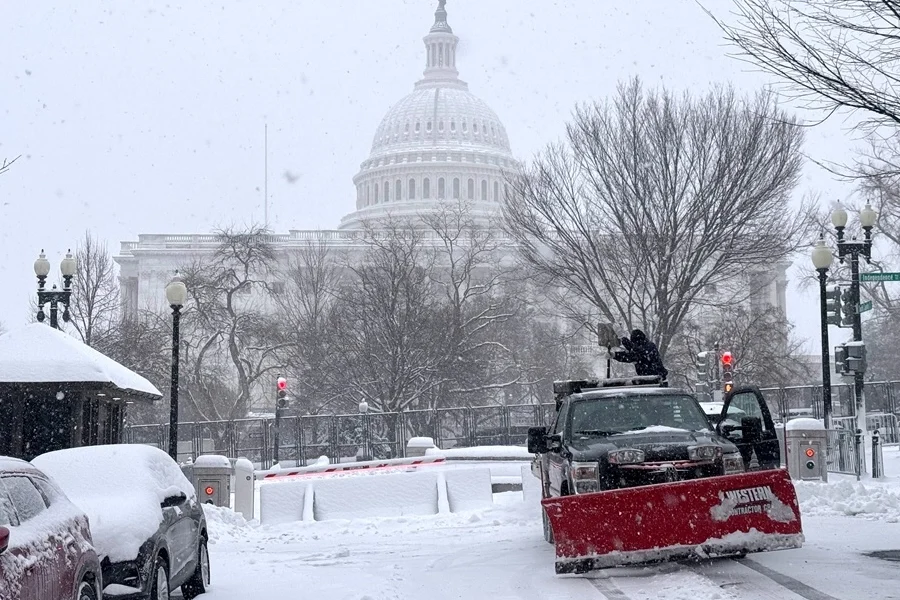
{"x":548,"y":531}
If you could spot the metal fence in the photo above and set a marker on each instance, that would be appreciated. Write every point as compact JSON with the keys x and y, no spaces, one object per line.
{"x":348,"y":437}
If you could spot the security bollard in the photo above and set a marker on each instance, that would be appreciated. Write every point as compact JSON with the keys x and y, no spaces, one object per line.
{"x":244,"y":489}
{"x":859,"y":453}
{"x":877,"y":465}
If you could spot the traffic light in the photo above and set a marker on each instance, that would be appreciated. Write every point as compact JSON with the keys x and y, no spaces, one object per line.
{"x":850,"y":358}
{"x":703,"y":374}
{"x":727,"y":373}
{"x":282,"y":392}
{"x":840,"y":360}
{"x":833,"y":311}
{"x":848,"y":308}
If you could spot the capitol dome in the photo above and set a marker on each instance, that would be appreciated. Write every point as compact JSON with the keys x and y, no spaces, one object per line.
{"x":440,"y":143}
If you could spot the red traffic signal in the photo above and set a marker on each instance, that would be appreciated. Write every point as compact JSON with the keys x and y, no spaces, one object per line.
{"x":727,"y":359}
{"x":210,"y":490}
{"x":282,"y":384}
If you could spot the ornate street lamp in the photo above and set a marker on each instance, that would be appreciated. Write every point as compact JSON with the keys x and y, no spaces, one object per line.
{"x":822,"y":259}
{"x":854,"y":249}
{"x":176,"y":295}
{"x":68,"y":267}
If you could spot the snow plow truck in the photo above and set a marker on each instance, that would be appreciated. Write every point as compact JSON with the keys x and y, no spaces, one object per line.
{"x":635,"y":472}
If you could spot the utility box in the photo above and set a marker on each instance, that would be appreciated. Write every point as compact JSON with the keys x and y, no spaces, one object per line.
{"x":807,"y":444}
{"x":212,"y":479}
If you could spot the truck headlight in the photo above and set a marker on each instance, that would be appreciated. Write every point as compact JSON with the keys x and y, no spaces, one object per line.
{"x":711,"y":452}
{"x":585,"y":476}
{"x":626,"y":456}
{"x":733,"y":463}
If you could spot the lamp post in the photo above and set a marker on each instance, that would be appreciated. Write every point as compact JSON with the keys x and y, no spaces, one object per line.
{"x":364,"y":411}
{"x":176,"y":295}
{"x":68,"y":267}
{"x":854,"y":249}
{"x":822,"y":259}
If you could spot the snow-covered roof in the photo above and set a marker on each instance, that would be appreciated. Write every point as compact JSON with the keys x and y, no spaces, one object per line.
{"x":38,"y":353}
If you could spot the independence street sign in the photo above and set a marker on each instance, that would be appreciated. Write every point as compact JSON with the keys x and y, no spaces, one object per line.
{"x":879,"y":276}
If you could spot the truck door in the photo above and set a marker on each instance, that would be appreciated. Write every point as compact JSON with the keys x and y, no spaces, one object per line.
{"x":556,"y":462}
{"x":747,"y":422}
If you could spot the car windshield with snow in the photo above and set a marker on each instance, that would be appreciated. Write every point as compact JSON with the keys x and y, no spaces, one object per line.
{"x":148,"y":526}
{"x":45,"y":542}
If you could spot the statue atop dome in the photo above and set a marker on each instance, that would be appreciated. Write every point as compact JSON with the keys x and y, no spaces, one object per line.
{"x":442,"y":4}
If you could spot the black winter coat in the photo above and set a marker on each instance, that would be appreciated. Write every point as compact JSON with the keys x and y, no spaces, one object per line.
{"x":643,"y":353}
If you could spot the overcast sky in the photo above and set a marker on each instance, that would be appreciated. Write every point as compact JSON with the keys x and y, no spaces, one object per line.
{"x":144,"y":117}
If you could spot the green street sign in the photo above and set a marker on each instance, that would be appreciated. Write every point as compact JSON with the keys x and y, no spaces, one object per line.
{"x":879,"y":276}
{"x":865,"y":306}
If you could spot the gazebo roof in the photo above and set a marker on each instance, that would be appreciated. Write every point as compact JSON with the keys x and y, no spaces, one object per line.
{"x":40,"y":354}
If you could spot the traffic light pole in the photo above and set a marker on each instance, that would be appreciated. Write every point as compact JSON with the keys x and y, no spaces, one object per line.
{"x":826,"y":351}
{"x":858,"y":377}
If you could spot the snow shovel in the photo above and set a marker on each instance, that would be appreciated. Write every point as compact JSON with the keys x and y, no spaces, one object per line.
{"x":715,"y":516}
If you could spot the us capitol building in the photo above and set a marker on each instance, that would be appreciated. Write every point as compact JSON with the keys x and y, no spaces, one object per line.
{"x":438,"y":143}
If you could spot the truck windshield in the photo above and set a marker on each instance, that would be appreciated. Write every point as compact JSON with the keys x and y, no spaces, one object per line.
{"x":617,"y":415}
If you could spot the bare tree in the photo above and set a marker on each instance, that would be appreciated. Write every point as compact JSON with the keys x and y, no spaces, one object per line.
{"x":390,"y":325}
{"x":470,"y":281}
{"x":831,"y":54}
{"x":231,"y":341}
{"x":765,"y":350}
{"x":6,"y":164}
{"x":95,"y":300}
{"x":307,"y":308}
{"x":653,"y":199}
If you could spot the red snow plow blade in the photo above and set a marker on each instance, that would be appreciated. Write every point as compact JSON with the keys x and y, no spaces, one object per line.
{"x":713,"y":516}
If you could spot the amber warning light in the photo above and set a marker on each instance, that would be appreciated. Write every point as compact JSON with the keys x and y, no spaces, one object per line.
{"x":210,"y":490}
{"x":810,"y":452}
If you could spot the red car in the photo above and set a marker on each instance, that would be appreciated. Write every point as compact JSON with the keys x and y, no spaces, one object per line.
{"x":46,"y":551}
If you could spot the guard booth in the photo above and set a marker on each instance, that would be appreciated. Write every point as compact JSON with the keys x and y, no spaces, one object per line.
{"x":56,"y":393}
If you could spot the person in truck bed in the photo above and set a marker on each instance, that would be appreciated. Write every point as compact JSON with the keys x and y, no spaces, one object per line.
{"x":643,"y":353}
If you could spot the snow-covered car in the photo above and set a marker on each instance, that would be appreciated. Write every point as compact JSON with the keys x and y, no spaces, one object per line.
{"x":147,"y":523}
{"x":45,"y":541}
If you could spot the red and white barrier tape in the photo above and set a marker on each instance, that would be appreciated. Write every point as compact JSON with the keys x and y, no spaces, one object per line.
{"x":381,"y":466}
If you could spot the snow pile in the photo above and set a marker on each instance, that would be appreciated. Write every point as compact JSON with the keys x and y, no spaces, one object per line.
{"x":849,"y":498}
{"x":483,"y":452}
{"x":120,"y":487}
{"x":223,"y":524}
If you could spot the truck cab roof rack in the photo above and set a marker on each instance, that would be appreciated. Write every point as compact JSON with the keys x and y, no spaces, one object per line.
{"x":574,"y":386}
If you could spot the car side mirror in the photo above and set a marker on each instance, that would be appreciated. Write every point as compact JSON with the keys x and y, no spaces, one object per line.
{"x":176,"y":500}
{"x":4,"y":539}
{"x":537,"y":440}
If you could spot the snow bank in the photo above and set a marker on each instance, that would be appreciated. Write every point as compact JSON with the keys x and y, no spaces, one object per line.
{"x":38,"y":353}
{"x":849,"y":498}
{"x":388,"y":495}
{"x":120,"y":488}
{"x":483,"y":452}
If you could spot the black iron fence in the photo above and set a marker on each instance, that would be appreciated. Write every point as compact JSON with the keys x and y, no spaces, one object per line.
{"x":350,"y":437}
{"x":347,"y":437}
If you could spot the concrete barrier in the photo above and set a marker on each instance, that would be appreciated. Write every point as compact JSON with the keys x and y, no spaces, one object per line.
{"x":385,"y":495}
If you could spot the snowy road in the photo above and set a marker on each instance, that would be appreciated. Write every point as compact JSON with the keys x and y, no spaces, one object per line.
{"x":499,"y":554}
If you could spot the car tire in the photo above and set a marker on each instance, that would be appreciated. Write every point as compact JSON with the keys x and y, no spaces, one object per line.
{"x":159,"y":580}
{"x":86,"y":591}
{"x":199,"y":581}
{"x":548,"y":531}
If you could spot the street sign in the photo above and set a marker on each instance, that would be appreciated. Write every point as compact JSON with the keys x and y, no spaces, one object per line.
{"x":865,"y":306}
{"x":879,"y":276}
